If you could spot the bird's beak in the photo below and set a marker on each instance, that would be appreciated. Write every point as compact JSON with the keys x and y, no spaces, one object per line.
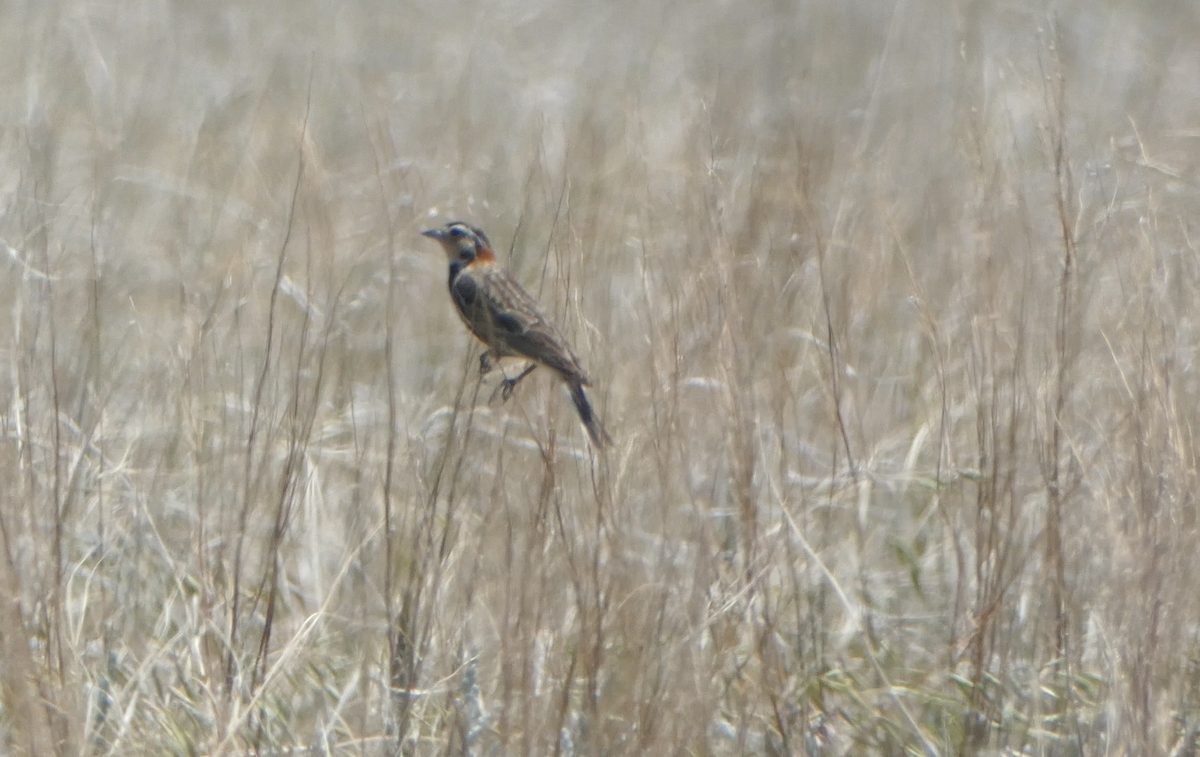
{"x":437,"y":234}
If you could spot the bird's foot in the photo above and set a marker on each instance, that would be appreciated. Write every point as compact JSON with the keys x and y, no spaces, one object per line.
{"x":485,"y":363}
{"x":509,"y":385}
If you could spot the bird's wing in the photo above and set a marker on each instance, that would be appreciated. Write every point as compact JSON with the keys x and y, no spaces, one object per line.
{"x":489,"y":308}
{"x":502,"y":314}
{"x":543,"y":343}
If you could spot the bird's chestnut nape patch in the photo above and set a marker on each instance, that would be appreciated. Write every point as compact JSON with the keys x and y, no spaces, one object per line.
{"x":484,"y":254}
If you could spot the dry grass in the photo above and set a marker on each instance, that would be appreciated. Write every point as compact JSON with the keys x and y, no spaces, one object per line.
{"x":892,"y":314}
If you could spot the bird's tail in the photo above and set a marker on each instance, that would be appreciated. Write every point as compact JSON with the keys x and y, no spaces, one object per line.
{"x":595,"y":430}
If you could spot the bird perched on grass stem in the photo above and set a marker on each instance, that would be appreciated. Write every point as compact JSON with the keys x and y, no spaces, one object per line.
{"x":507,"y":320}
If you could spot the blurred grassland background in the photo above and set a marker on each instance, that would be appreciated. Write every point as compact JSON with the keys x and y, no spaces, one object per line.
{"x":891,"y":310}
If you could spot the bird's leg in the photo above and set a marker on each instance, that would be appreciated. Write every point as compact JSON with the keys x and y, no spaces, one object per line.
{"x":485,"y":363}
{"x":510,"y":384}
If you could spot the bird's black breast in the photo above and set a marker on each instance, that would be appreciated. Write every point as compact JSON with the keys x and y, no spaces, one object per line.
{"x":463,"y":289}
{"x":455,"y":269}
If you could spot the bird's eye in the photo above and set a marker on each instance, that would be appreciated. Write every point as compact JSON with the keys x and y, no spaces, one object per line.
{"x":456,"y":231}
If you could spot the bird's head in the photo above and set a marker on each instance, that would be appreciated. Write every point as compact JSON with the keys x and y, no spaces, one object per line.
{"x":462,"y":242}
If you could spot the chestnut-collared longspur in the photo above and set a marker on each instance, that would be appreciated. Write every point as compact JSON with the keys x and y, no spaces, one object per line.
{"x":507,"y":320}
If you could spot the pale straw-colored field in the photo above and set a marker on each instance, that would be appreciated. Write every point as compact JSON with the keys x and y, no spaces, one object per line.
{"x":891,"y":310}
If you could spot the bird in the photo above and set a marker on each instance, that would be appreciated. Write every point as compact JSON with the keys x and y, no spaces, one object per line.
{"x":502,"y":315}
